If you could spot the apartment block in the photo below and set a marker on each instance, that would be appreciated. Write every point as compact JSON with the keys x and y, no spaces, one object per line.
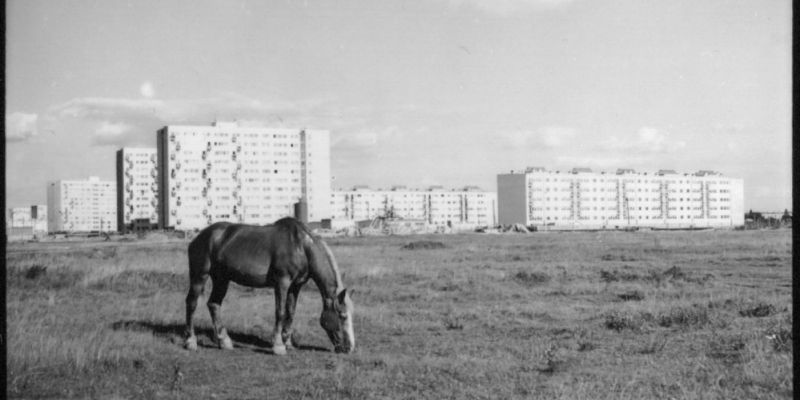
{"x":137,"y":188}
{"x":226,"y":172}
{"x":465,"y":208}
{"x":34,"y":217}
{"x":583,"y":199}
{"x":81,"y":205}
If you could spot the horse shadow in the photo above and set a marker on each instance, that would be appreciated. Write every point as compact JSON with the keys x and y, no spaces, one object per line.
{"x":174,"y":332}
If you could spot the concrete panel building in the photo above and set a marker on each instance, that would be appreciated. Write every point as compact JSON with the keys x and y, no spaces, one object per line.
{"x":464,"y":208}
{"x":226,"y":172}
{"x":26,"y":222}
{"x":81,"y":205}
{"x":137,"y":190}
{"x":582,"y":199}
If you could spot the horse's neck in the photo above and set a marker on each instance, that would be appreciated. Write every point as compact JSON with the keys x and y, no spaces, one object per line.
{"x":323,"y":275}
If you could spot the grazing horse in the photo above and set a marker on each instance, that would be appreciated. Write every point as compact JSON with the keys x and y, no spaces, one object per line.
{"x":282,"y":256}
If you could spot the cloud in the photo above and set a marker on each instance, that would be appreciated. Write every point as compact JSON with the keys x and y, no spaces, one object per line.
{"x":599,"y":162}
{"x":509,"y":7}
{"x":647,"y":140}
{"x":147,"y":90}
{"x":144,"y":114}
{"x":110,"y":133}
{"x":21,"y":126}
{"x":547,"y":137}
{"x":365,"y":140}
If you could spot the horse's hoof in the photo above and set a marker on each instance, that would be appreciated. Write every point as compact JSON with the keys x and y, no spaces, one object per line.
{"x":190,"y":344}
{"x":225,"y":343}
{"x":279,"y":350}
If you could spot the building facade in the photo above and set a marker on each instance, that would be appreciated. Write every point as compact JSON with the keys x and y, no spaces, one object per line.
{"x":464,"y":208}
{"x":225,"y":172}
{"x":137,"y":188}
{"x":81,"y":205}
{"x":582,"y":199}
{"x":26,"y":222}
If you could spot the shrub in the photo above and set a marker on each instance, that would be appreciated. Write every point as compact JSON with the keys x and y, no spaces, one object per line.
{"x":615,"y":276}
{"x":781,"y":337}
{"x":35,"y":271}
{"x":424,"y":245}
{"x":760,"y":310}
{"x":634,"y":295}
{"x":728,"y":349}
{"x":620,"y":321}
{"x":534,"y":278}
{"x":684,"y":316}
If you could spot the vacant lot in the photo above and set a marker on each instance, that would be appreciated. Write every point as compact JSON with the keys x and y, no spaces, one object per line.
{"x":602,"y":315}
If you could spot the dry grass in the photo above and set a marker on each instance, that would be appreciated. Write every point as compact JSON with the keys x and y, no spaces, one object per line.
{"x":603,"y":315}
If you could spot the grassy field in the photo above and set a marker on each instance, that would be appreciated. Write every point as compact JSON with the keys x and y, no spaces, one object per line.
{"x":592,"y":315}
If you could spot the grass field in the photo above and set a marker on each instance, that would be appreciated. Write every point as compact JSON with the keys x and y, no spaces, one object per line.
{"x":592,"y":315}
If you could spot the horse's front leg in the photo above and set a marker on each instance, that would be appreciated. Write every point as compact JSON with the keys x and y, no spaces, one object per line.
{"x":291,"y":304}
{"x":281,"y":295}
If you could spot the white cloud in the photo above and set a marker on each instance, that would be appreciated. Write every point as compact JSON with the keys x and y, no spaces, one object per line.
{"x":599,"y":162}
{"x":365,"y":140}
{"x":647,"y":140}
{"x":547,"y":137}
{"x":21,"y":126}
{"x":110,"y":133}
{"x":144,"y":114}
{"x":147,"y":90}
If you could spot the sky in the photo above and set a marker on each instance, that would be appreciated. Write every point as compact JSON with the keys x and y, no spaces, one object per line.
{"x":415,"y":93}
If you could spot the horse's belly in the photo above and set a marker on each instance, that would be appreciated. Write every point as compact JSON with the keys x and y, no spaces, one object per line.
{"x":252,"y":277}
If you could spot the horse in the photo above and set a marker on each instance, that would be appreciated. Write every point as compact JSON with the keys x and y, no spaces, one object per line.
{"x":283,"y":256}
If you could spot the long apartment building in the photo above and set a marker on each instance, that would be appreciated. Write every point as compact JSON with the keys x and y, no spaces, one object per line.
{"x":226,"y":172}
{"x":81,"y":205}
{"x":582,"y":199}
{"x":137,"y":187}
{"x":468,"y":207}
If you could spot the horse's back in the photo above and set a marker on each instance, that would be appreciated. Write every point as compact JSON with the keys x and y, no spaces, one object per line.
{"x":249,"y":255}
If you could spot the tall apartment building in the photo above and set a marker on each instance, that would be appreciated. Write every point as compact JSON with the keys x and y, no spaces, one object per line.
{"x":465,"y":208}
{"x":225,"y":172}
{"x":582,"y":199}
{"x":81,"y":205}
{"x":137,"y":190}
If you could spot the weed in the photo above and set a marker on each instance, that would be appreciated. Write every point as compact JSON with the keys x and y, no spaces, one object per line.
{"x":654,"y":344}
{"x":684,"y":317}
{"x":634,"y":295}
{"x":424,"y":245}
{"x":727,"y":348}
{"x":586,"y":346}
{"x":530,"y":279}
{"x":453,"y":323}
{"x":620,"y":321}
{"x":760,"y":310}
{"x":615,"y":276}
{"x":35,"y":271}
{"x":780,"y":334}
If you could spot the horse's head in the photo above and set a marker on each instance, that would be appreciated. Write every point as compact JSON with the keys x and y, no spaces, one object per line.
{"x":337,"y":321}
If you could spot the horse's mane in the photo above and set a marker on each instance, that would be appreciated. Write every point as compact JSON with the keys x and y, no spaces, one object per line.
{"x":295,"y":229}
{"x":297,"y":232}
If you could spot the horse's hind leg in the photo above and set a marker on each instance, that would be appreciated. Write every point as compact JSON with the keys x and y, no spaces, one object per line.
{"x":195,"y":290}
{"x":218,"y":291}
